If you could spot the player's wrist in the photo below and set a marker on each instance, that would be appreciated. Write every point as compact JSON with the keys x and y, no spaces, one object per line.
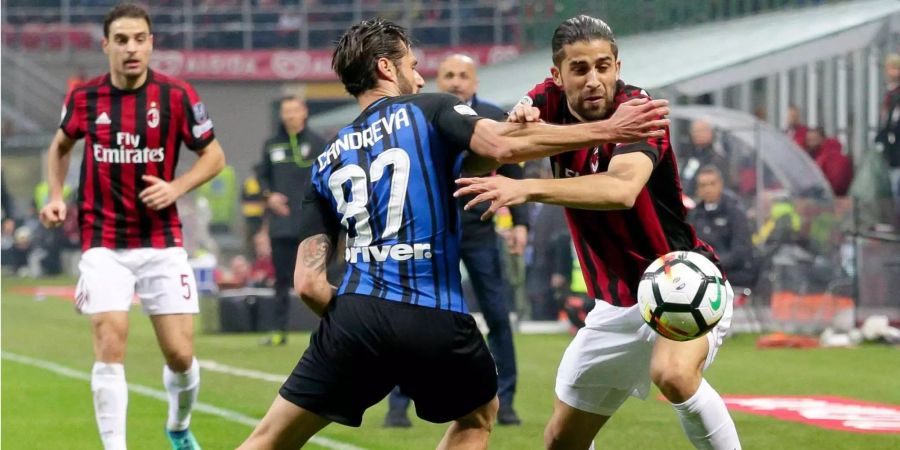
{"x":530,"y":189}
{"x":602,"y":131}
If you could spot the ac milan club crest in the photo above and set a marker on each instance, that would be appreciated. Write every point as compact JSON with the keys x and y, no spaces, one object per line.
{"x":595,"y":159}
{"x":153,"y":116}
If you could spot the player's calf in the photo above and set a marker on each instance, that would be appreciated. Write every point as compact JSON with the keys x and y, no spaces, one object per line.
{"x":473,"y":430}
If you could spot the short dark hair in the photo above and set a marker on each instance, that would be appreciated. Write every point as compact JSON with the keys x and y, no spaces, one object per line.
{"x":710,"y":169}
{"x":577,"y":29}
{"x":357,"y":53}
{"x":125,"y":10}
{"x":291,"y":98}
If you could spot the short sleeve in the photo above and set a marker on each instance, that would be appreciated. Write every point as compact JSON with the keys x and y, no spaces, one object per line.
{"x":196,"y":128}
{"x":72,"y":117}
{"x":654,"y":148}
{"x":545,"y":97}
{"x":454,"y":120}
{"x":317,"y":216}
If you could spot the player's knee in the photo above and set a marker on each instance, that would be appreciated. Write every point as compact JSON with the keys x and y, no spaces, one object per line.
{"x":675,"y":379}
{"x":179,"y":359}
{"x":110,"y":348}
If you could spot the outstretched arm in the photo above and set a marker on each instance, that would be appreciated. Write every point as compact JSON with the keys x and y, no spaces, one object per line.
{"x":617,"y":188}
{"x":508,"y":142}
{"x":310,"y":278}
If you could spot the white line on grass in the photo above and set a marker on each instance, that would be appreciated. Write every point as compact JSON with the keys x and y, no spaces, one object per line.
{"x":208,"y":364}
{"x":157,"y":394}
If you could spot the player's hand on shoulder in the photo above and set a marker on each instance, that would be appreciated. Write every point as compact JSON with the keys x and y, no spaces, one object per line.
{"x":639,"y":119}
{"x":522,"y":113}
{"x":159,"y":193}
{"x":53,"y":214}
{"x":498,"y":190}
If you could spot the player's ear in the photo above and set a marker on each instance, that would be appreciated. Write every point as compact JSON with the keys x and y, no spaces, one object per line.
{"x":104,"y":43}
{"x":386,"y":69}
{"x":557,"y":76}
{"x":618,"y":68}
{"x":151,"y":41}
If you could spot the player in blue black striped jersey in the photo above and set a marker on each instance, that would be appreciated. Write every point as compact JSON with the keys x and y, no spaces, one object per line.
{"x":398,"y":316}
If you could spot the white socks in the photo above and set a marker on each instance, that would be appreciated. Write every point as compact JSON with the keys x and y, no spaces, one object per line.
{"x":706,"y":422}
{"x":182,"y":389}
{"x":110,"y":403}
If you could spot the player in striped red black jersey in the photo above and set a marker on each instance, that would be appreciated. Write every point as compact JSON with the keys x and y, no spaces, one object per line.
{"x":133,"y":121}
{"x":623,"y":205}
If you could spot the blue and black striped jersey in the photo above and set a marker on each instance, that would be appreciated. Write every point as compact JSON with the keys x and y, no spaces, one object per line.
{"x":388,"y":180}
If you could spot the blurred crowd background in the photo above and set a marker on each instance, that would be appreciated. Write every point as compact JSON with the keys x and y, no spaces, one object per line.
{"x":788,"y":157}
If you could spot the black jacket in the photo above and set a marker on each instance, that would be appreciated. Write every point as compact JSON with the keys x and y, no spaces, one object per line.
{"x":473,"y":228}
{"x":285,"y":168}
{"x":726,"y":229}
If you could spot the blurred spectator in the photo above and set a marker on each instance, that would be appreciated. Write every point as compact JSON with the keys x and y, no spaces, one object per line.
{"x":284,"y":173}
{"x":701,"y":151}
{"x":237,"y":275}
{"x":262,"y":274}
{"x":889,"y":128}
{"x":836,"y":167}
{"x":7,"y":241}
{"x":6,"y":201}
{"x":721,"y":220}
{"x":796,"y":130}
{"x":548,"y":257}
{"x":253,"y":208}
{"x":221,"y":195}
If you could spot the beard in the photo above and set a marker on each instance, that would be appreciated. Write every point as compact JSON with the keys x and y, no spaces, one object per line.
{"x":405,"y":85}
{"x":591,"y":114}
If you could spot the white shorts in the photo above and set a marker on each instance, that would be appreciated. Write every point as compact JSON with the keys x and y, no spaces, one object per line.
{"x":162,"y":279}
{"x":609,"y":359}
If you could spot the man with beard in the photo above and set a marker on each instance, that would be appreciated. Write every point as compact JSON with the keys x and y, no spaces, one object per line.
{"x":623,"y":205}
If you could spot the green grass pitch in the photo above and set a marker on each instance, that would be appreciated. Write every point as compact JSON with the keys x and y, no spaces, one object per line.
{"x":42,"y":409}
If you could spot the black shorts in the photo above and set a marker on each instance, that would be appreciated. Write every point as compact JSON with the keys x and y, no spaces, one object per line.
{"x":365,"y":346}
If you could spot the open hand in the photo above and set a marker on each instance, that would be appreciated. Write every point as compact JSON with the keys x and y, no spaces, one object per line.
{"x":499,"y":190}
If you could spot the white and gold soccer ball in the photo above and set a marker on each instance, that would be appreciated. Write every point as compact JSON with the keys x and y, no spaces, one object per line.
{"x":682,"y":295}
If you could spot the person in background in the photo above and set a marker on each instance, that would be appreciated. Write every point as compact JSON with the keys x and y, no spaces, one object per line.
{"x":701,"y":151}
{"x":796,"y":130}
{"x":836,"y":166}
{"x":480,"y":252}
{"x":548,"y":256}
{"x":721,"y":221}
{"x":889,"y":129}
{"x":284,"y":172}
{"x":253,"y":209}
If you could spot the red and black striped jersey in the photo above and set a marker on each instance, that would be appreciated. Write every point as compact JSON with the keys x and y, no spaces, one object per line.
{"x":615,"y":247}
{"x":129,"y":134}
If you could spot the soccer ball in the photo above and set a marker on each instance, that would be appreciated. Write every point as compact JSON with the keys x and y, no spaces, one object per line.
{"x":682,"y":295}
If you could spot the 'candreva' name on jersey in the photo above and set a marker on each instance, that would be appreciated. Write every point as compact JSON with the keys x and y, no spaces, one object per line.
{"x":368,"y":137}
